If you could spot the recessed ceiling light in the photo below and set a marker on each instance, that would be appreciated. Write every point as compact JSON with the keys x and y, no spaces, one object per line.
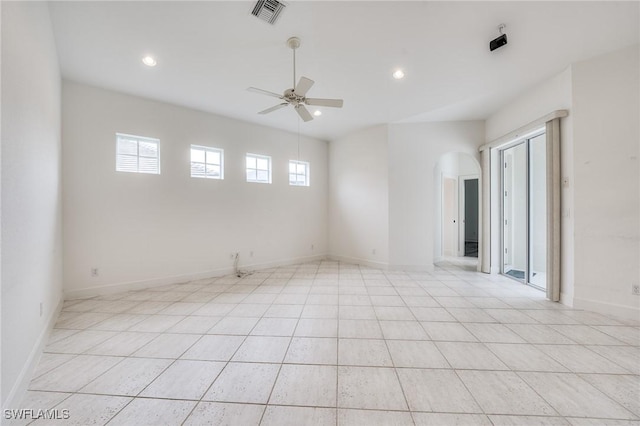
{"x":398,"y":74}
{"x":317,"y":113}
{"x":149,"y":61}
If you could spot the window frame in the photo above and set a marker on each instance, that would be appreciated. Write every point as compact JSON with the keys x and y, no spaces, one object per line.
{"x":306,"y":173}
{"x":137,"y":156}
{"x":206,"y":149}
{"x":256,"y":169}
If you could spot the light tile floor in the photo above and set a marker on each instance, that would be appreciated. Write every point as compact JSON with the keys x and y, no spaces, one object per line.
{"x":329,"y":343}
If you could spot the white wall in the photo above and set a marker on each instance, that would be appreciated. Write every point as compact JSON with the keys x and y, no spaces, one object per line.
{"x":414,"y":150}
{"x":600,"y":198}
{"x":359,"y":197}
{"x":607,"y":182}
{"x":550,"y":95}
{"x":138,"y":228}
{"x":31,"y":204}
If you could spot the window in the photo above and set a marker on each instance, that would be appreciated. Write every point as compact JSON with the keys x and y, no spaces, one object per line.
{"x":298,"y":173}
{"x":137,"y":154}
{"x":207,"y":162}
{"x":258,"y":168}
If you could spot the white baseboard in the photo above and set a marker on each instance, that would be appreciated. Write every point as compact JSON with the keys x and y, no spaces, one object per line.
{"x":566,"y":299}
{"x":84,"y":293}
{"x":413,"y":268}
{"x":284,"y":262}
{"x":358,"y":261}
{"x":611,"y":309}
{"x":24,"y":378}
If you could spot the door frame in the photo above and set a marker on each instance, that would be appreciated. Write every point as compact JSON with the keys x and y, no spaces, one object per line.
{"x":456,"y":213}
{"x":462,"y":220}
{"x":518,"y":142}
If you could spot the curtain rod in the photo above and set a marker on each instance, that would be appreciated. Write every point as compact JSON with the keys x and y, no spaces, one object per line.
{"x":560,"y":113}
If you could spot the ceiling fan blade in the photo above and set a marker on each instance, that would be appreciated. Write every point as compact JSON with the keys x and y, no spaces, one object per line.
{"x":264,"y":92}
{"x":273,"y":108}
{"x":303,"y":86}
{"x":303,"y":113}
{"x":335,"y":103}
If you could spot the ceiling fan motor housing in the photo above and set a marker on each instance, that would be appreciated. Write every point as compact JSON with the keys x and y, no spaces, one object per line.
{"x":292,"y":97}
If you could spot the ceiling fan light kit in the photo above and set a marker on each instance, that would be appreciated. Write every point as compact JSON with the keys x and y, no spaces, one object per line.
{"x":296,"y":96}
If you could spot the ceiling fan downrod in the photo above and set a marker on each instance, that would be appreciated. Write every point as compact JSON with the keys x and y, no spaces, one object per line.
{"x":294,"y":43}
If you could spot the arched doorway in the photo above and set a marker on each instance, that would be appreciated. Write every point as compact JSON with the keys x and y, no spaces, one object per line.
{"x":457,"y":208}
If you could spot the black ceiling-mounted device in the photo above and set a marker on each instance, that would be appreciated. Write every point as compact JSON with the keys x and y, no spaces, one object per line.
{"x":499,"y":41}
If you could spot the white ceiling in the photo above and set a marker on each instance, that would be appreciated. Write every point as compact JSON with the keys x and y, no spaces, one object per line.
{"x":208,"y":53}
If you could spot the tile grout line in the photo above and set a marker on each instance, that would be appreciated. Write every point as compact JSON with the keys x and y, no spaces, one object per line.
{"x":231,"y":357}
{"x":128,"y":357}
{"x":266,"y":405}
{"x":401,"y":290}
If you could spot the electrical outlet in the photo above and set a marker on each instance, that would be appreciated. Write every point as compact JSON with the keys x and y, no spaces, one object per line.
{"x":94,"y":272}
{"x":41,"y":308}
{"x":635,"y":289}
{"x":312,"y":247}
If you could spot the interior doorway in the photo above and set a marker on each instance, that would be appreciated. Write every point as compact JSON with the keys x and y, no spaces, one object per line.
{"x":457,"y":207}
{"x":469,"y":222}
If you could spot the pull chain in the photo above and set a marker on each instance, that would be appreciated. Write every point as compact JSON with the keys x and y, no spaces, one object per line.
{"x":298,"y":138}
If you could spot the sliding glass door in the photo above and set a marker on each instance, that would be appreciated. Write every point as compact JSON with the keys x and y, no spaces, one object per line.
{"x":524,"y":210}
{"x":514,"y":178}
{"x":538,"y":211}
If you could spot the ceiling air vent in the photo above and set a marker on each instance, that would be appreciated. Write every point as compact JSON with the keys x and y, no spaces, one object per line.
{"x":268,"y":10}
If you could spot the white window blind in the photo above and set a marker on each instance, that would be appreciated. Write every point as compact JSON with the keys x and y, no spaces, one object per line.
{"x":298,"y":173}
{"x":137,"y":154}
{"x":258,"y":168}
{"x":207,"y":162}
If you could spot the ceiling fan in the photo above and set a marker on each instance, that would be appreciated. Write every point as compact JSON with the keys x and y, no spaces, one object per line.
{"x":297,"y":95}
